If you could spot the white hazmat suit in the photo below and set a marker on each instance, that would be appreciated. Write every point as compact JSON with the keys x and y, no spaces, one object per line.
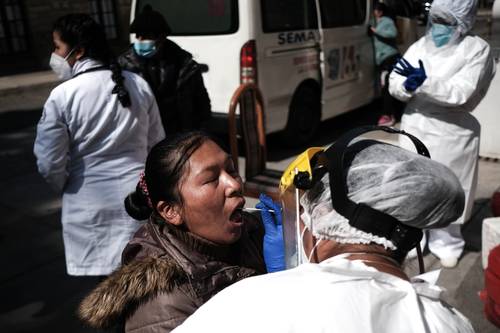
{"x":337,"y":295}
{"x":439,"y":111}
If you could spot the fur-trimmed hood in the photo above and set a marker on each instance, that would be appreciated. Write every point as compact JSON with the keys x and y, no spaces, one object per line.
{"x":125,"y":289}
{"x":161,"y":258}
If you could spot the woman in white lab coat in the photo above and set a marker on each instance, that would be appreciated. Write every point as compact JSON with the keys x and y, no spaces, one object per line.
{"x":91,"y":144}
{"x":452,"y":73}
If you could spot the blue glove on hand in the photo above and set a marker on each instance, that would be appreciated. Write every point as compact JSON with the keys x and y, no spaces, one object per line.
{"x":415,"y":76}
{"x":274,"y":249}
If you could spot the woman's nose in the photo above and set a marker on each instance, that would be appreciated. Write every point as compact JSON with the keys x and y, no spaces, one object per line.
{"x":233,"y":185}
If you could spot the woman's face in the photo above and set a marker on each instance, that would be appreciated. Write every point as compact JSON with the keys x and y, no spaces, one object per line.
{"x":63,"y":49}
{"x":211,"y":190}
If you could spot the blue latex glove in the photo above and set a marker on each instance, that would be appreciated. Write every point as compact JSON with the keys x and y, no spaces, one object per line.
{"x":274,"y":249}
{"x":415,"y":76}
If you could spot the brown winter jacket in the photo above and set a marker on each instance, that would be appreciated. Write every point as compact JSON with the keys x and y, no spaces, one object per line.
{"x":168,"y":273}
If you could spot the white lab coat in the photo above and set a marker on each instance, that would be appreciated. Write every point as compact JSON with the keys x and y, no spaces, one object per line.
{"x":439,"y":114}
{"x":92,"y":149}
{"x":337,"y":295}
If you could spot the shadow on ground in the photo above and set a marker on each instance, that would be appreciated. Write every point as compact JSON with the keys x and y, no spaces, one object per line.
{"x":12,"y":121}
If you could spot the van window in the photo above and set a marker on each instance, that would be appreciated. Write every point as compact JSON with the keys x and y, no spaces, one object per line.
{"x":196,"y":17}
{"x":286,"y":15}
{"x":342,"y":13}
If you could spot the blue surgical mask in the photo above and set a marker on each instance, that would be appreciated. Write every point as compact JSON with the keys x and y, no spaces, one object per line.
{"x":441,"y":34}
{"x":145,"y":48}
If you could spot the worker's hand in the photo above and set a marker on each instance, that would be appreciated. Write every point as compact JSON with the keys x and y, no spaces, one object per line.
{"x":274,"y":249}
{"x":415,"y":77}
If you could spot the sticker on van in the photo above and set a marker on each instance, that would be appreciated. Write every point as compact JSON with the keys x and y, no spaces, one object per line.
{"x":295,"y":37}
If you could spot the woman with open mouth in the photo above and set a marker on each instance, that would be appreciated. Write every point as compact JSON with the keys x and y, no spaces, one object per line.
{"x":197,"y":241}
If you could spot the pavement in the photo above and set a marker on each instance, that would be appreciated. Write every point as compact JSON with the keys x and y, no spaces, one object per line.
{"x":38,"y":296}
{"x":26,"y":91}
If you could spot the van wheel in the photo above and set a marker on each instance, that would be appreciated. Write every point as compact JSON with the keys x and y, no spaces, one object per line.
{"x":304,"y":116}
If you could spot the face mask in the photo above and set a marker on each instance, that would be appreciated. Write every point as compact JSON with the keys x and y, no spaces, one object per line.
{"x":441,"y":34}
{"x":145,"y":48}
{"x":60,"y":65}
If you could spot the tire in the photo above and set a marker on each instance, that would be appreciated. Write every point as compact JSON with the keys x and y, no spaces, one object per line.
{"x":304,"y":116}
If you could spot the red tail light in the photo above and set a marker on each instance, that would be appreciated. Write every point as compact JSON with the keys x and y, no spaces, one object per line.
{"x":248,"y":63}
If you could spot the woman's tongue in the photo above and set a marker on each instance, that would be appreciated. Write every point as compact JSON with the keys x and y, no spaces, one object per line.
{"x":236,"y":215}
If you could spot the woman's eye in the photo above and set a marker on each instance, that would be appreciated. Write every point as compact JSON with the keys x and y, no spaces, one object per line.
{"x":211,"y":180}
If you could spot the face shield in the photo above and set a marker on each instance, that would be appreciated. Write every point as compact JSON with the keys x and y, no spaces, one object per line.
{"x":301,"y":168}
{"x":300,"y":179}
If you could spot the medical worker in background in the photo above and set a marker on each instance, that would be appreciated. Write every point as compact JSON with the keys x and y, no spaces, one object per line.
{"x":443,"y":77}
{"x":92,"y":140}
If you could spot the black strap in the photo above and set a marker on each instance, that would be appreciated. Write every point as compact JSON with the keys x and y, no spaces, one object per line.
{"x":386,"y":40}
{"x":93,"y":69}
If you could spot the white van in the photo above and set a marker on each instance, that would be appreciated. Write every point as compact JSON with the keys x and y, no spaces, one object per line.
{"x":312,"y":59}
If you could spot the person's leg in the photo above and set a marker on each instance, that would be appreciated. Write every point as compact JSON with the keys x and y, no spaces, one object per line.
{"x":447,"y":244}
{"x":388,"y":117}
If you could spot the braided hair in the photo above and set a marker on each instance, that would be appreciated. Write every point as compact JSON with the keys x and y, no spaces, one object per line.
{"x":80,"y":30}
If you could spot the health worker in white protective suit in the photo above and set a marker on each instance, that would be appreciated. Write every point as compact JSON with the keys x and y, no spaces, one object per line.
{"x":443,"y":77}
{"x":353,"y":281}
{"x":91,"y":144}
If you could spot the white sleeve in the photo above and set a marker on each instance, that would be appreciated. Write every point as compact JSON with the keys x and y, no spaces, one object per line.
{"x":52,"y":144}
{"x":396,"y":81}
{"x":457,"y":89}
{"x":156,"y":132}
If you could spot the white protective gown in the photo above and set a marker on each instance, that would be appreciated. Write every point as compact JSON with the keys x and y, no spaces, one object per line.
{"x":337,"y":295}
{"x":439,"y":114}
{"x":92,"y":150}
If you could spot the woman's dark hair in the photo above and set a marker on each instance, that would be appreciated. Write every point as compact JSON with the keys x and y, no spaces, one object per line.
{"x":165,"y":167}
{"x":381,"y":7}
{"x":386,"y":9}
{"x":80,"y":30}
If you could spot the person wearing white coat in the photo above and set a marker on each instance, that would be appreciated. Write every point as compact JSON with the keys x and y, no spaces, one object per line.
{"x":455,"y":71}
{"x":91,"y":144}
{"x":354,"y":281}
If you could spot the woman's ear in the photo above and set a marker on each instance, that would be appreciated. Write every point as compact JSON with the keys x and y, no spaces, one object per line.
{"x":169,"y":212}
{"x":79,"y":52}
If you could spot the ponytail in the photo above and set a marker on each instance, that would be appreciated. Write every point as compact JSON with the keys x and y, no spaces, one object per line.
{"x":138,"y":204}
{"x":119,"y":89}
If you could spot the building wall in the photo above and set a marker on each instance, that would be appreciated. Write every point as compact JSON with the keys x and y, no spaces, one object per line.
{"x":40,"y":16}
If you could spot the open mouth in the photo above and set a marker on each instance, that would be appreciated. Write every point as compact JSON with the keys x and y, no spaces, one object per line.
{"x":236,"y":215}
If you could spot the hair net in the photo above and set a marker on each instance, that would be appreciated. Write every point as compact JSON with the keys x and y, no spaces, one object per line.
{"x":460,"y":12}
{"x":416,"y":190}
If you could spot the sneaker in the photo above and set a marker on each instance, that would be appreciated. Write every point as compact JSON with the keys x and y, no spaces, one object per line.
{"x":449,"y":262}
{"x":386,"y":120}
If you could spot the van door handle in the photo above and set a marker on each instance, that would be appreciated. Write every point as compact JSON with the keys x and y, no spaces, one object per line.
{"x":203,"y":68}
